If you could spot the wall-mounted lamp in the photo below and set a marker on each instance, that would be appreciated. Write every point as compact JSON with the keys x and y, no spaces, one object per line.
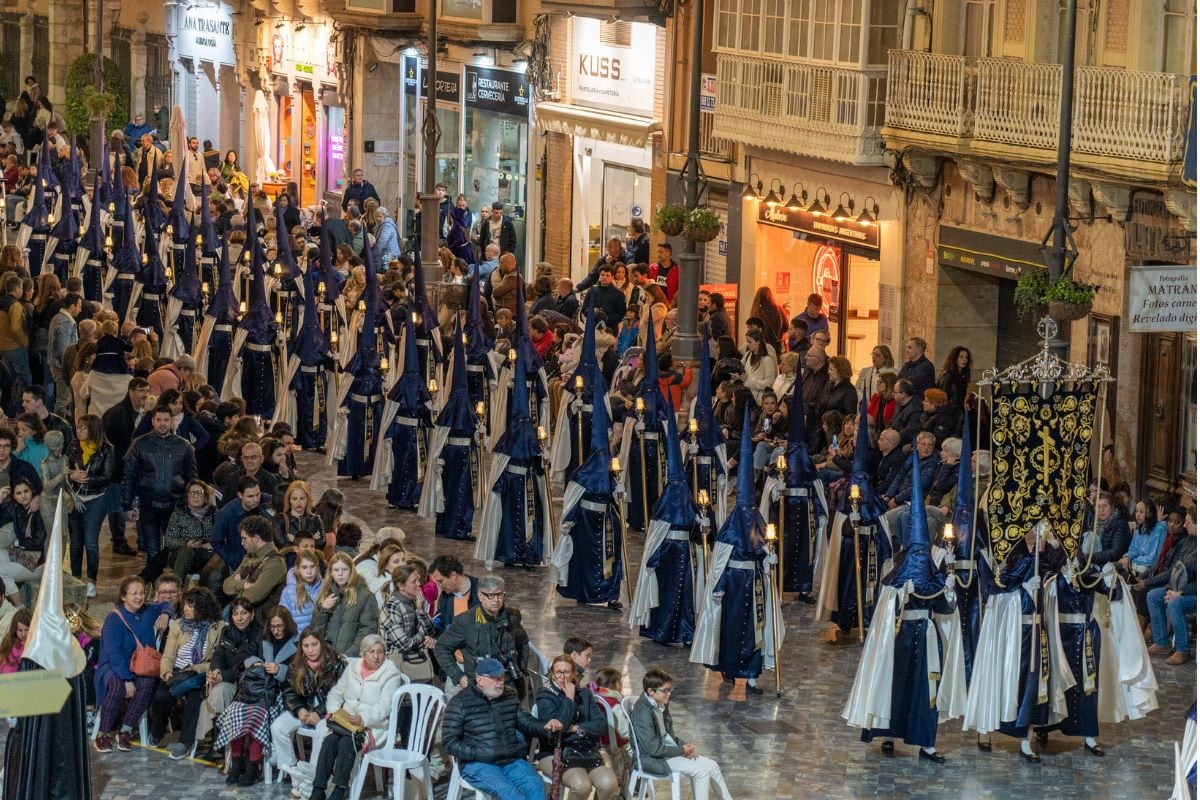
{"x":820,"y":203}
{"x":870,"y":212}
{"x":772,"y":200}
{"x":844,"y":212}
{"x":796,"y":201}
{"x":753,"y":189}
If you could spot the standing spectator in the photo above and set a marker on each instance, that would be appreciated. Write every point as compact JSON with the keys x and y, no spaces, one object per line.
{"x":613,"y":255}
{"x":63,"y":334}
{"x":137,"y":128}
{"x":664,"y":272}
{"x":499,"y":229}
{"x":1172,"y":596}
{"x":212,"y":156}
{"x":771,"y":313}
{"x":813,"y":317}
{"x":387,"y":239}
{"x":759,"y":365}
{"x":660,"y":749}
{"x":907,"y":418}
{"x":504,"y":283}
{"x":917,"y":369}
{"x":33,"y":401}
{"x":359,"y":191}
{"x":485,"y":728}
{"x":230,"y":166}
{"x":127,"y":626}
{"x":120,"y":422}
{"x":881,"y":362}
{"x":159,"y":467}
{"x":955,"y":381}
{"x":882,"y":405}
{"x":840,"y":395}
{"x":14,"y":336}
{"x":638,"y":250}
{"x":91,"y":466}
{"x":718,"y":317}
{"x":814,"y":387}
{"x":194,"y":165}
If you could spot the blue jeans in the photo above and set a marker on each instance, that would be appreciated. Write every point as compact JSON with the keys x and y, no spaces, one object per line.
{"x":1177,"y":611}
{"x":151,"y":525}
{"x":116,"y":514}
{"x":84,"y":525}
{"x":17,"y":361}
{"x":514,"y":781}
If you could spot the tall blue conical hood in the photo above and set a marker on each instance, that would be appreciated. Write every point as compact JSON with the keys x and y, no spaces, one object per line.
{"x":103,"y":194}
{"x":187,"y":277}
{"x":410,"y":392}
{"x":367,"y":358}
{"x":427,"y":321}
{"x":153,"y":274}
{"x":77,"y":188}
{"x":479,"y":344}
{"x":223,"y":306}
{"x":526,"y":352}
{"x":709,"y":435}
{"x":745,"y":485}
{"x":120,"y":194}
{"x":311,"y":343}
{"x":181,"y":229}
{"x":964,"y":496}
{"x":801,"y":469}
{"x":37,"y":215}
{"x":66,"y":226}
{"x":587,"y":351}
{"x":918,"y":563}
{"x":259,"y":321}
{"x":127,"y":258}
{"x":208,"y":247}
{"x":289,"y":269}
{"x":93,"y":236}
{"x":458,"y":414}
{"x":329,"y":275}
{"x":593,"y":474}
{"x":655,"y":411}
{"x":46,"y":176}
{"x":676,"y":505}
{"x":152,"y":213}
{"x":871,"y":508}
{"x":519,"y":440}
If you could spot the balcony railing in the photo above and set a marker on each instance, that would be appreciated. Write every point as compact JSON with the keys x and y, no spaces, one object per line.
{"x":823,"y":111}
{"x":1117,"y":113}
{"x":713,"y":146}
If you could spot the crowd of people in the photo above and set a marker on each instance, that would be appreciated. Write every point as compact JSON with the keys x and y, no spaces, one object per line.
{"x":165,"y":369}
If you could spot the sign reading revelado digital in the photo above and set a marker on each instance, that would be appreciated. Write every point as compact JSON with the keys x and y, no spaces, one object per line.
{"x":1162,"y":299}
{"x":825,"y":227}
{"x":206,"y":34}
{"x":614,"y":77}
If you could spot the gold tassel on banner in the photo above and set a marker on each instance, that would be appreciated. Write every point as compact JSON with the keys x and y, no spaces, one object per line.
{"x":1089,"y":661}
{"x":420,"y":452}
{"x":368,"y":430}
{"x":609,"y":545}
{"x":1043,"y":667}
{"x":530,"y":506}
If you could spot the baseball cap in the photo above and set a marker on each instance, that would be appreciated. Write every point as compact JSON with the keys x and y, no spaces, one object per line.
{"x":489,"y":668}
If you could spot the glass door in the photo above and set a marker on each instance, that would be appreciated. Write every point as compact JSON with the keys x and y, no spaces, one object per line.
{"x":626,"y":195}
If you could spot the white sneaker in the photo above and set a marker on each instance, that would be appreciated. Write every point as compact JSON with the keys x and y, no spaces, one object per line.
{"x":91,"y":590}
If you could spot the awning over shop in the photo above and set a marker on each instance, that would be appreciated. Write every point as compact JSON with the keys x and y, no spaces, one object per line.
{"x":606,"y":126}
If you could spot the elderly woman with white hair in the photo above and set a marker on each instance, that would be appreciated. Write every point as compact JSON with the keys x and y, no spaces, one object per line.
{"x":361,"y":700}
{"x":387,"y":239}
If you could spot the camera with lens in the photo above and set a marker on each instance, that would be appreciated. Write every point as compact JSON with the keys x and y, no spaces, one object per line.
{"x":511,"y":667}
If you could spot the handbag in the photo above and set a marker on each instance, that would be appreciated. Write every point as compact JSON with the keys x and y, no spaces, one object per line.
{"x":184,"y":681}
{"x":417,"y":667}
{"x":146,"y":661}
{"x":256,"y":687}
{"x":580,"y":750}
{"x":339,"y":724}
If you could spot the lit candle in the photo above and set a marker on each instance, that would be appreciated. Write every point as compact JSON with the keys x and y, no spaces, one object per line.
{"x":416,"y":319}
{"x":464,"y":340}
{"x":199,"y":239}
{"x":321,"y":287}
{"x":333,"y":338}
{"x":512,"y":356}
{"x":362,"y":306}
{"x":279,"y":317}
{"x":541,"y":434}
{"x":145,"y":258}
{"x":704,"y":499}
{"x":242,"y":307}
{"x":639,"y":405}
{"x":770,"y":531}
{"x":112,"y":208}
{"x":433,"y":387}
{"x":948,"y":532}
{"x":246,"y":256}
{"x":578,"y":382}
{"x":278,"y":269}
{"x":781,"y":463}
{"x":383,"y":364}
{"x":855,"y":492}
{"x":615,"y":464}
{"x":108,"y":240}
{"x":170,"y":230}
{"x":204,"y":287}
{"x":693,"y":427}
{"x":479,"y":409}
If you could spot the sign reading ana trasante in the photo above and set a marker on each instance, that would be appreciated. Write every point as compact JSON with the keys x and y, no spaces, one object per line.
{"x":1162,"y":299}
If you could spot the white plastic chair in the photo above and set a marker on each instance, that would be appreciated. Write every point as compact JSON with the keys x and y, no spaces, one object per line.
{"x":459,"y":784}
{"x":534,"y":657}
{"x":637,"y":776}
{"x":428,"y":703}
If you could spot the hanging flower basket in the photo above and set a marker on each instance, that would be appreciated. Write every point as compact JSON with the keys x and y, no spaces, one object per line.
{"x":703,"y":225}
{"x":671,"y":218}
{"x":700,"y":234}
{"x":1068,"y":312}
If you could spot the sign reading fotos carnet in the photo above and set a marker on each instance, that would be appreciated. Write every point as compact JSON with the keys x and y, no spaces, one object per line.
{"x":1162,"y":299}
{"x":614,"y":66}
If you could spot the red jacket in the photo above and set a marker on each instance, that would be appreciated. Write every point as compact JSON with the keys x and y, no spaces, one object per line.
{"x":667,"y":278}
{"x":543,"y":343}
{"x":672,"y":385}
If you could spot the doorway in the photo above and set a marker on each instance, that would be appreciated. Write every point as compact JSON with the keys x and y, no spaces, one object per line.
{"x":626,"y":194}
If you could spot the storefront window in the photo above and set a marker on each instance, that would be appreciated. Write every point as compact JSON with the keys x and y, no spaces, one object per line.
{"x":448,"y":155}
{"x":495,"y":165}
{"x":284,"y":162}
{"x":463,"y":9}
{"x":335,"y":147}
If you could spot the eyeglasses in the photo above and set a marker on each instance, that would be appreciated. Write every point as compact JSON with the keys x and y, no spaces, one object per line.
{"x":664,"y":690}
{"x":492,"y":595}
{"x":196,"y":493}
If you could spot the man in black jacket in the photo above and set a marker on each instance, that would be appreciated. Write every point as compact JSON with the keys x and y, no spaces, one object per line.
{"x":1114,"y":532}
{"x":119,"y":423}
{"x":358,"y":191}
{"x":565,"y":302}
{"x":907,"y":419}
{"x":891,"y":459}
{"x":158,"y":468}
{"x":485,"y":728}
{"x":499,"y":229}
{"x":608,"y":298}
{"x":613,"y":254}
{"x":488,"y":631}
{"x":917,"y":368}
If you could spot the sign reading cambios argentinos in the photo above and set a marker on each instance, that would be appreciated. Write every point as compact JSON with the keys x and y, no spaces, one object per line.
{"x":823,"y":227}
{"x":1162,"y":299}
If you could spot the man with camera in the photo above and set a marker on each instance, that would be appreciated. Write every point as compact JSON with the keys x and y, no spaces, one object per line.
{"x":489,"y":630}
{"x":485,"y":728}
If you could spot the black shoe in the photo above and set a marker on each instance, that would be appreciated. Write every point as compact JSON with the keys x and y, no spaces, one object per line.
{"x":1097,"y":751}
{"x":615,"y":605}
{"x":984,"y":747}
{"x":751,"y":689}
{"x":808,"y":598}
{"x":888,"y":749}
{"x":935,"y":756}
{"x":236,"y":767}
{"x":211,"y":755}
{"x":317,"y":794}
{"x":1043,"y":737}
{"x":1032,"y":758}
{"x":727,"y":679}
{"x":250,"y":774}
{"x":123,"y":549}
{"x":338,"y":793}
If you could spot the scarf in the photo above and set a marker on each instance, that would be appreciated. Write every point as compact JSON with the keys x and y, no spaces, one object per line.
{"x":88,"y":449}
{"x":197,"y":633}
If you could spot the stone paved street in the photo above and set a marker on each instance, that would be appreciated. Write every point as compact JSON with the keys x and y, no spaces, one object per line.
{"x":794,"y":747}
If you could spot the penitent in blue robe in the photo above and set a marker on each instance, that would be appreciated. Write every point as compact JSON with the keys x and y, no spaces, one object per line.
{"x":1081,"y":644}
{"x":1019,"y":569}
{"x":656,"y":471}
{"x":674,"y":619}
{"x":743,"y":613}
{"x":520,"y":488}
{"x":410,"y":447}
{"x":594,"y":574}
{"x":460,"y":476}
{"x":873,"y":551}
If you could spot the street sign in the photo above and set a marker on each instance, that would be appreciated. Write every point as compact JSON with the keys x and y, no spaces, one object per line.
{"x":33,"y":693}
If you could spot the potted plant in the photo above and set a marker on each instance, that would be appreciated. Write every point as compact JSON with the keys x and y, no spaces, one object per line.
{"x":702,"y":225}
{"x":671,"y":218}
{"x":1069,"y":299}
{"x":98,"y":104}
{"x":1030,"y":296}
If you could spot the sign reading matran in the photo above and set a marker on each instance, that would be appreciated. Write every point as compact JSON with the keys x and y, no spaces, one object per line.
{"x":613,"y":73}
{"x":1162,"y":299}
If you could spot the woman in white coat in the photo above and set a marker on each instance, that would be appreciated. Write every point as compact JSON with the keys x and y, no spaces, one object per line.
{"x":364,"y":692}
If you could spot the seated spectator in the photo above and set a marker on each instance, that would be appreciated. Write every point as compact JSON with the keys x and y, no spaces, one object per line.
{"x":240,"y":640}
{"x":406,"y":626}
{"x":759,"y":365}
{"x":582,"y":723}
{"x":346,"y":608}
{"x":304,"y":583}
{"x":660,"y":750}
{"x":226,"y":538}
{"x":785,"y":381}
{"x":1172,"y":598}
{"x":770,"y":432}
{"x":245,"y":726}
{"x":882,"y":405}
{"x":938,"y":416}
{"x":1149,"y":533}
{"x":673,"y":380}
{"x":13,"y":643}
{"x":839,"y":393}
{"x":891,"y":459}
{"x":130,"y":625}
{"x":580,"y":650}
{"x":251,"y":456}
{"x":458,"y":590}
{"x":191,"y":641}
{"x":607,"y":688}
{"x":368,"y":563}
{"x":296,"y":516}
{"x":907,"y":418}
{"x":627,"y":333}
{"x":1114,"y":535}
{"x":364,"y":692}
{"x":485,"y":729}
{"x":188,"y":539}
{"x":22,"y":539}
{"x":311,"y":677}
{"x":390,"y":556}
{"x":260,"y":577}
{"x":348,"y":538}
{"x":897,"y":495}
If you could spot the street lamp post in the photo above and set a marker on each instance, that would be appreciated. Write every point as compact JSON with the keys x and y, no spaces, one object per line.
{"x":98,"y":80}
{"x":1062,"y":248}
{"x":687,"y":342}
{"x":431,"y":135}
